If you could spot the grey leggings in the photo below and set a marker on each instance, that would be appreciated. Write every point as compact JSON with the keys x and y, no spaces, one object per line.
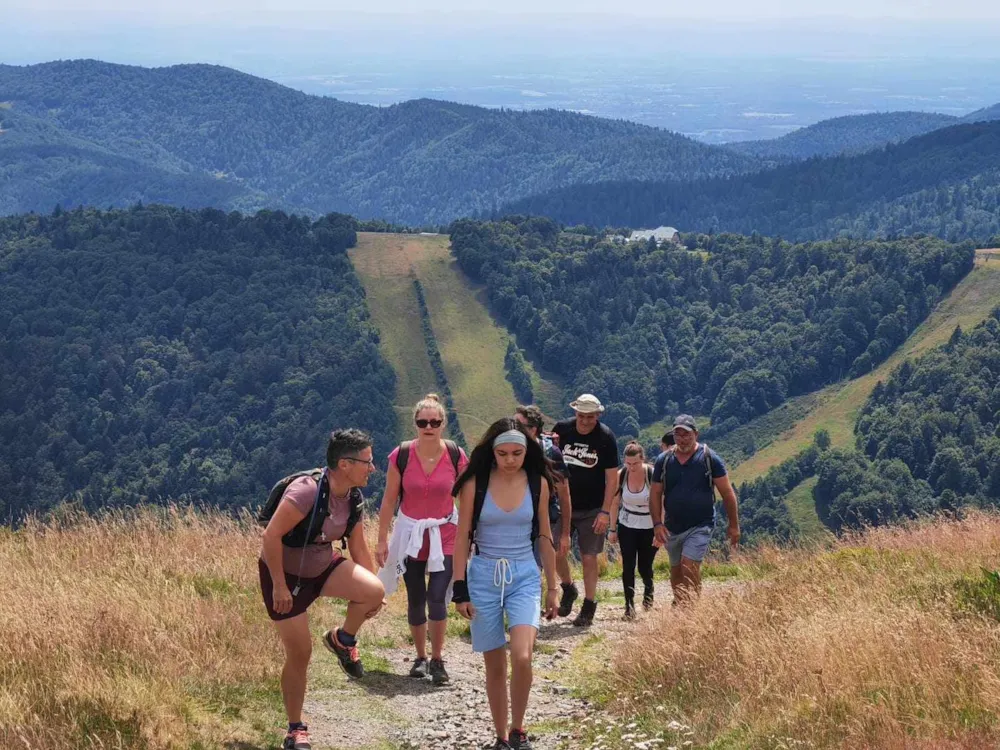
{"x":421,"y":597}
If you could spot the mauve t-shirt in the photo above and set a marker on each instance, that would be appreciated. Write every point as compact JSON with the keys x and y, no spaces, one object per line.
{"x":429,"y":495}
{"x":314,"y":558}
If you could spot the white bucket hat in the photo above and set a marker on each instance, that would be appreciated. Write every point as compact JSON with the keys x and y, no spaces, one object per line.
{"x":587,"y":403}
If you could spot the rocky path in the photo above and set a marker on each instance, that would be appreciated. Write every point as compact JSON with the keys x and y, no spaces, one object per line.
{"x":389,"y":709}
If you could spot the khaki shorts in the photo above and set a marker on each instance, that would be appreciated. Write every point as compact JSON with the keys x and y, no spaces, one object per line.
{"x":583,"y":525}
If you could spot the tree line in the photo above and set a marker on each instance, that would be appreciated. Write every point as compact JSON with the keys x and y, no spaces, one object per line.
{"x":729,"y":326}
{"x":158,"y":354}
{"x":928,"y":438}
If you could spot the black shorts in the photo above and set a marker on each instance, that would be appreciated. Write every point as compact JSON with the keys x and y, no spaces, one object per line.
{"x":310,"y":589}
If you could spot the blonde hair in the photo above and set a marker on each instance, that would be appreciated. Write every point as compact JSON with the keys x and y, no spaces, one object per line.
{"x":634,"y":448}
{"x":430,"y":401}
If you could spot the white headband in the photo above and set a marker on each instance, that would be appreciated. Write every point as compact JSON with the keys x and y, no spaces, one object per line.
{"x":511,"y":436}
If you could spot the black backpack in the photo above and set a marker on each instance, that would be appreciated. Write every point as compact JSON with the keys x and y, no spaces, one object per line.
{"x":306,"y":531}
{"x":479,"y":499}
{"x":403,"y":458}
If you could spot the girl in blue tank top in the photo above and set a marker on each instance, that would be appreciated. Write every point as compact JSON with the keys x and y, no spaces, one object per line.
{"x":499,"y":520}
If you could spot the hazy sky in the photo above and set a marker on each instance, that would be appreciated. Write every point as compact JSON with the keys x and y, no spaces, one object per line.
{"x":327,"y":11}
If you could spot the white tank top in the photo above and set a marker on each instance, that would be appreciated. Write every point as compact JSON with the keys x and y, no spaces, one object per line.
{"x":634,"y":512}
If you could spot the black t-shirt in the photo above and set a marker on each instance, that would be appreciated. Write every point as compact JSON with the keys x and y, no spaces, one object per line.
{"x":688,"y":493}
{"x":587,"y":457}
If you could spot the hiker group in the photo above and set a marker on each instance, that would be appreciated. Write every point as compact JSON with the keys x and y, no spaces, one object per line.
{"x":522,"y":495}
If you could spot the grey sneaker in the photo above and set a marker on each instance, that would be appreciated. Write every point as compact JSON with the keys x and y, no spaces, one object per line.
{"x":518,"y":740}
{"x":437,"y":672}
{"x":419,"y":668}
{"x":500,"y":745}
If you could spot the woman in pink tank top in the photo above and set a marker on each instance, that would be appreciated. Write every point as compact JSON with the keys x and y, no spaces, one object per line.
{"x":423,"y":538}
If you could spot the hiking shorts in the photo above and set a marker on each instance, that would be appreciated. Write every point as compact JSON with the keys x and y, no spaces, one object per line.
{"x":583,"y":524}
{"x":310,"y":589}
{"x":502,"y":587}
{"x":692,"y":544}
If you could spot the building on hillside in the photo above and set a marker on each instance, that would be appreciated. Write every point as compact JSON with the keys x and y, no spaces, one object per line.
{"x":660,"y":234}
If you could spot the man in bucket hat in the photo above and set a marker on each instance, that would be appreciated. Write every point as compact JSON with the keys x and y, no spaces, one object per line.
{"x":682,"y":505}
{"x":590,"y":452}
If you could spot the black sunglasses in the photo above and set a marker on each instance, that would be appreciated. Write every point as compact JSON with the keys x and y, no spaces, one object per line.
{"x":368,"y":461}
{"x":425,"y":423}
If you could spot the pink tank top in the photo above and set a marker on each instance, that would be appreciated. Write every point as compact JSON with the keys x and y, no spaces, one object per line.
{"x":429,"y":495}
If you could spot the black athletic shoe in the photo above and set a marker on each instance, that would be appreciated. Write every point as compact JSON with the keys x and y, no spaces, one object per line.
{"x":569,"y":595}
{"x":518,"y":740}
{"x":500,"y":745}
{"x":419,"y":668}
{"x":437,"y":672}
{"x":647,"y":600}
{"x":348,"y":657}
{"x":630,"y":611}
{"x":586,"y":617}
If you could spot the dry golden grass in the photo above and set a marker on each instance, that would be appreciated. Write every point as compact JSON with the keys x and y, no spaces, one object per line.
{"x":141,"y":630}
{"x":870,"y":645}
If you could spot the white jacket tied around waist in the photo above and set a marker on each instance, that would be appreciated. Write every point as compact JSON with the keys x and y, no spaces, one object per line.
{"x":407,"y":539}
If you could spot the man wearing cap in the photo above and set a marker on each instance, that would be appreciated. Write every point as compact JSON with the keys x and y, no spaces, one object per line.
{"x":682,"y":505}
{"x":590,"y":452}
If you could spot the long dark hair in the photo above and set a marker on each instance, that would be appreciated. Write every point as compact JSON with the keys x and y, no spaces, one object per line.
{"x":482,"y":462}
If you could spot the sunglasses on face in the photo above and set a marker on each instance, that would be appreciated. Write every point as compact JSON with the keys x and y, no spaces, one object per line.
{"x":423,"y":424}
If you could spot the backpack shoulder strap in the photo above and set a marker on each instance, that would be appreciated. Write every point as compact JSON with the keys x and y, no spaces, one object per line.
{"x":708,"y":469}
{"x":403,"y":458}
{"x":357,"y":500}
{"x":535,"y":486}
{"x":649,"y":475}
{"x":455,"y":453}
{"x":621,"y":480}
{"x":478,"y":500}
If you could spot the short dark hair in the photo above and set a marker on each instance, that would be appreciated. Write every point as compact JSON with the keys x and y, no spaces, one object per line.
{"x":668,"y":438}
{"x":533,"y":415}
{"x":345,"y":444}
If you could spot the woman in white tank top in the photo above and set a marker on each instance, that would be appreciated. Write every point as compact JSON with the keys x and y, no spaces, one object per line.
{"x":632,"y":526}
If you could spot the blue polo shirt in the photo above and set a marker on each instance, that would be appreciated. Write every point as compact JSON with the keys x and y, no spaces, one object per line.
{"x":688,"y":497}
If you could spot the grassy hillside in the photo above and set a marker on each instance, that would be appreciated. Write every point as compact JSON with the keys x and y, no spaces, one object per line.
{"x":472,"y":345}
{"x":968,"y":304}
{"x":151,"y":636}
{"x":887,"y":641}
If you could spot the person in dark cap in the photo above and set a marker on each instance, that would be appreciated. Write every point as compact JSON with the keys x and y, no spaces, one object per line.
{"x":682,"y":505}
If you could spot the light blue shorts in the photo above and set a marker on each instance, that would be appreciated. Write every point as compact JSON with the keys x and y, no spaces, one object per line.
{"x":499,"y":587}
{"x":692,"y":544}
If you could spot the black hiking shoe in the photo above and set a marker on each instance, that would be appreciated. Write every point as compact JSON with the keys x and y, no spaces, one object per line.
{"x":586,"y":617}
{"x":437,"y":672}
{"x":297,"y":739}
{"x":348,"y":657}
{"x":419,"y":668}
{"x":630,"y":613}
{"x":647,"y":601}
{"x":500,"y":744}
{"x":569,"y":595}
{"x":518,"y":740}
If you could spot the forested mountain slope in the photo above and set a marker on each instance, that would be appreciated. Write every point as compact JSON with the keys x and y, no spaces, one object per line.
{"x":270,"y":146}
{"x":945,"y":183}
{"x":730,"y":329}
{"x":159,"y":354}
{"x":852,"y":134}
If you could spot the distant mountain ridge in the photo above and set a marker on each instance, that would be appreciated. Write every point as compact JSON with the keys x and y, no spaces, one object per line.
{"x":852,"y":134}
{"x":186,"y":127}
{"x":946,"y":182}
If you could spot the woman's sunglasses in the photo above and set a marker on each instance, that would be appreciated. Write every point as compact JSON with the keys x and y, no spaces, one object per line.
{"x":423,"y":424}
